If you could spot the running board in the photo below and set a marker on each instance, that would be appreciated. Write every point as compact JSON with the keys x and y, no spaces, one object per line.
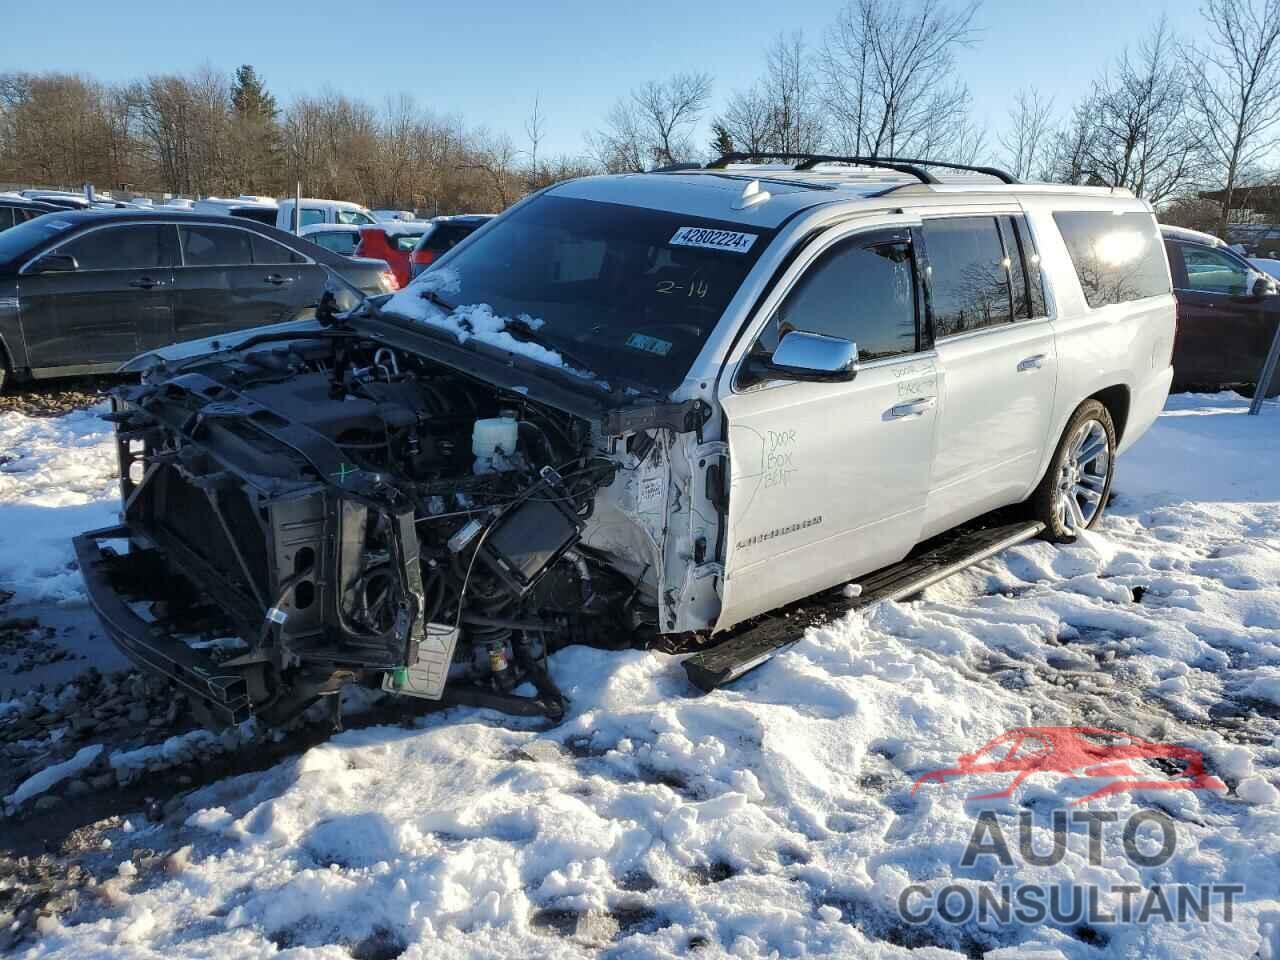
{"x":729,"y":660}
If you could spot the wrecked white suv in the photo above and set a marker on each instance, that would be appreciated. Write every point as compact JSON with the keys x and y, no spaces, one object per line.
{"x":633,"y":410}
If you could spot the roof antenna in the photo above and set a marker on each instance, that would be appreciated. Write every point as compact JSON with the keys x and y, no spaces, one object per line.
{"x":752,"y":196}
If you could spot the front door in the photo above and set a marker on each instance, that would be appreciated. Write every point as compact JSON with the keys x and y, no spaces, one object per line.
{"x":830,"y":480}
{"x":1224,"y":331}
{"x":102,"y":312}
{"x":998,"y":350}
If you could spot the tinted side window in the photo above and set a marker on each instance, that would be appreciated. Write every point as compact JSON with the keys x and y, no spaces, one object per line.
{"x":338,"y":241}
{"x":1117,"y":256}
{"x":1214,"y":272}
{"x":1024,"y":269}
{"x":6,"y":217}
{"x":968,"y":278}
{"x":268,"y":251}
{"x":122,"y":248}
{"x":311,"y":215}
{"x":864,"y":290}
{"x":214,"y":247}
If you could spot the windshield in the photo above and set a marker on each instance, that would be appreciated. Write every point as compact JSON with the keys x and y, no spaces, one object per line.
{"x":629,"y":294}
{"x":17,"y":242}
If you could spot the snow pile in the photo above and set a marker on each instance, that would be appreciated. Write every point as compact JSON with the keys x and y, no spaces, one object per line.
{"x":51,"y":776}
{"x":780,"y":817}
{"x":57,"y":479}
{"x":467,"y":321}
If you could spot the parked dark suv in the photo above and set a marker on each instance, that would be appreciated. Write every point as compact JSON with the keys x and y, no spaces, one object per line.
{"x":441,"y":236}
{"x":1227,"y":314}
{"x":83,"y":291}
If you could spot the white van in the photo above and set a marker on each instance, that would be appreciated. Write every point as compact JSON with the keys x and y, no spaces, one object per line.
{"x":323,"y":211}
{"x":280,"y":213}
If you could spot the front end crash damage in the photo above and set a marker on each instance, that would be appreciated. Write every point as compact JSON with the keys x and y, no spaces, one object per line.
{"x":329,"y":509}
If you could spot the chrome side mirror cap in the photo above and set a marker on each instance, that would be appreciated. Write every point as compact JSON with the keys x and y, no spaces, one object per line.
{"x":813,"y":357}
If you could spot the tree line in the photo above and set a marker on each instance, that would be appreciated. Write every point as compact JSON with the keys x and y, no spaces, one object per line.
{"x":1170,"y":118}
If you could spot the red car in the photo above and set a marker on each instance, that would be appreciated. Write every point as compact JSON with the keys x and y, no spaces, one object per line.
{"x":392,"y":242}
{"x":1079,"y":752}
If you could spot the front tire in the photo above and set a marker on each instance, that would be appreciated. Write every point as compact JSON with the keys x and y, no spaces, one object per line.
{"x":1073,"y":494}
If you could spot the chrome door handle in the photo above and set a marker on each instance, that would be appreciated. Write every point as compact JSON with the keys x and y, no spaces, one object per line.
{"x":277,"y":279}
{"x":913,"y":408}
{"x":146,"y":283}
{"x":1031,"y":363}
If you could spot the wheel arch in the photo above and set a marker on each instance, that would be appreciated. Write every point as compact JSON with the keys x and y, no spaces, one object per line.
{"x":1116,"y":399}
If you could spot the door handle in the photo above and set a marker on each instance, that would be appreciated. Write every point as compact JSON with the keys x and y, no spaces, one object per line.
{"x":913,"y":408}
{"x":277,"y":279}
{"x":1031,"y":363}
{"x":145,"y":283}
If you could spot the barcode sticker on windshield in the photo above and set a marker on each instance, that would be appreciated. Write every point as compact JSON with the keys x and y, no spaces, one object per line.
{"x":713,"y":239}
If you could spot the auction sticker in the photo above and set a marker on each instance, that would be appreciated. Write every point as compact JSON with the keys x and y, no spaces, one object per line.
{"x":713,"y":239}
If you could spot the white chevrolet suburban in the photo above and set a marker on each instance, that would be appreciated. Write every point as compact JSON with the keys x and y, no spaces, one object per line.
{"x":637,"y":409}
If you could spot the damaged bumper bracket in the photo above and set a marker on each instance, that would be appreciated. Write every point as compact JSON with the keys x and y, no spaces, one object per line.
{"x":150,"y":646}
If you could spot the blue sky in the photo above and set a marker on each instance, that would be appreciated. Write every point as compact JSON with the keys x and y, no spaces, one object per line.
{"x":487,"y":61}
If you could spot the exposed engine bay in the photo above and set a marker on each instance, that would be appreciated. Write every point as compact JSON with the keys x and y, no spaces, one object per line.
{"x":350,"y":511}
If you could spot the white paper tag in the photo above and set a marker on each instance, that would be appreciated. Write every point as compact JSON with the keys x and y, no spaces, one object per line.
{"x":726,"y":240}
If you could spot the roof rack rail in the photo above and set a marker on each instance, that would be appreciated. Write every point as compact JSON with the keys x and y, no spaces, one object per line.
{"x":912,"y":167}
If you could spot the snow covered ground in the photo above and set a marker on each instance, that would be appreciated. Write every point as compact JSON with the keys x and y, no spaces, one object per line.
{"x":774,"y":818}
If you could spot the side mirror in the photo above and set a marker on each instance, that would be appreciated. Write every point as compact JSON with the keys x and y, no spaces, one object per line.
{"x":813,"y":357}
{"x":55,"y":263}
{"x":1264,"y":287}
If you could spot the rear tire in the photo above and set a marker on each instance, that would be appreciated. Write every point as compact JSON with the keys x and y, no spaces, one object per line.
{"x":1073,"y":494}
{"x":4,"y":369}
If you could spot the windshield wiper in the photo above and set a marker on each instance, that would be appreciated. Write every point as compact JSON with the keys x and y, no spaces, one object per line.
{"x":525,"y":332}
{"x":432,"y":297}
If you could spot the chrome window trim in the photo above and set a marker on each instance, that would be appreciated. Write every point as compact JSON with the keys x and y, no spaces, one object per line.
{"x":995,"y":328}
{"x":22,"y":271}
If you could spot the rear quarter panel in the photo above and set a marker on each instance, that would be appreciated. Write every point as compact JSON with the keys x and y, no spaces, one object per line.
{"x":1124,"y":344}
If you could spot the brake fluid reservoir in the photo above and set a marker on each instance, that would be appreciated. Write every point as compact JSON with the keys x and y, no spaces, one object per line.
{"x":492,"y":438}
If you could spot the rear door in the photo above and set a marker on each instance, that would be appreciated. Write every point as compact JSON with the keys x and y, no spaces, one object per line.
{"x":220,"y":287}
{"x":1223,"y":330}
{"x":829,"y":480}
{"x":120,"y":297}
{"x":995,"y":346}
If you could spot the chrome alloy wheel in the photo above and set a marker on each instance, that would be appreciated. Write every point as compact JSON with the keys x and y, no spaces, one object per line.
{"x":1083,"y":478}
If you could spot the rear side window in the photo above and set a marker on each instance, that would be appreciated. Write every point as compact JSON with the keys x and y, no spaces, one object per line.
{"x":123,"y":248}
{"x":214,"y":247}
{"x":1025,"y":280}
{"x":311,"y":215}
{"x":1118,"y":257}
{"x":268,"y":251}
{"x":968,"y":276}
{"x":6,"y":217}
{"x":446,"y":237}
{"x":405,"y":242}
{"x":863,"y":290}
{"x":339,"y":241}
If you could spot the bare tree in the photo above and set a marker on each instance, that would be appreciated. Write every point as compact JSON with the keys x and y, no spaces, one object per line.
{"x":746,"y":124}
{"x":796,"y":122}
{"x":653,"y":125}
{"x":1026,"y":139}
{"x":535,"y":128}
{"x":1143,"y":136}
{"x":1236,"y":88}
{"x":888,"y":75}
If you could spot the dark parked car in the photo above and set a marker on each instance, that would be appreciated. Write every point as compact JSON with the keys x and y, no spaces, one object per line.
{"x":443,"y":235}
{"x":15,"y":210}
{"x":1227,"y":314}
{"x":83,"y":291}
